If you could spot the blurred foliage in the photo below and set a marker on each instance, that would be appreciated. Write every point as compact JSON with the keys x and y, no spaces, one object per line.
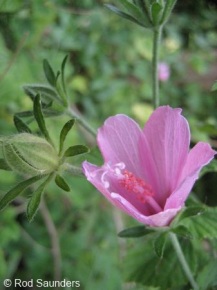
{"x":109,"y":72}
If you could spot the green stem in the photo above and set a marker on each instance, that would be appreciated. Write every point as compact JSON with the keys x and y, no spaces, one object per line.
{"x":183,"y":261}
{"x":81,"y":121}
{"x":77,"y":171}
{"x":155,"y":58}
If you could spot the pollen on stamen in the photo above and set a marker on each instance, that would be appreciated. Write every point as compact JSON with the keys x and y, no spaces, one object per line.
{"x":136,"y":185}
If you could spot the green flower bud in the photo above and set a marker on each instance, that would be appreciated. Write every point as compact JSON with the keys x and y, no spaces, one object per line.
{"x":30,"y":155}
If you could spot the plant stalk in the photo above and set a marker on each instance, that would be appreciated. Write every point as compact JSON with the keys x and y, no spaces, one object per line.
{"x":155,"y":59}
{"x":182,"y":260}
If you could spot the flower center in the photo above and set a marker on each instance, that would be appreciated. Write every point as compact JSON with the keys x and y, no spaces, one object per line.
{"x":136,"y":185}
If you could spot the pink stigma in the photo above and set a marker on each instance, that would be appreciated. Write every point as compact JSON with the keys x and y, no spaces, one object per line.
{"x":136,"y":185}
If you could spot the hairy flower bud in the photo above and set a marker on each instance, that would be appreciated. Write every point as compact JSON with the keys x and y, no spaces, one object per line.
{"x":30,"y":155}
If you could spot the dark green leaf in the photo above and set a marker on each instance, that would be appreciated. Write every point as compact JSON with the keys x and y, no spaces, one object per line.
{"x":122,"y":14}
{"x":63,"y":73}
{"x":4,"y":165}
{"x":34,"y":201}
{"x":64,"y":132}
{"x":14,"y":192}
{"x":49,"y":73}
{"x":40,"y":118}
{"x":191,"y":211}
{"x":62,"y":183}
{"x":211,"y":167}
{"x":136,"y":232}
{"x":21,"y":126}
{"x":47,"y":93}
{"x":159,"y":244}
{"x":156,"y":10}
{"x":76,"y":150}
{"x":182,"y":231}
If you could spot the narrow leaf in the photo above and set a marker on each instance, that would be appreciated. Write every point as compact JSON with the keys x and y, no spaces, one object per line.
{"x":64,"y":132}
{"x":62,"y":183}
{"x":49,"y":73}
{"x":159,"y":244}
{"x":35,"y":200}
{"x":14,"y":192}
{"x":167,"y":10}
{"x":63,"y":73}
{"x":76,"y":150}
{"x":21,"y":126}
{"x":40,"y":118}
{"x":4,"y":165}
{"x":136,"y":232}
{"x":122,"y":14}
{"x":132,"y":9}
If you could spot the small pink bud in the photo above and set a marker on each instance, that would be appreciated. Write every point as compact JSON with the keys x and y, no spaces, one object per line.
{"x":163,"y":71}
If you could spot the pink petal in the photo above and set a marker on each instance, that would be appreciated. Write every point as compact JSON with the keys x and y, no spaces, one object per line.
{"x":167,"y":135}
{"x":200,"y":155}
{"x":160,"y":219}
{"x":118,"y":141}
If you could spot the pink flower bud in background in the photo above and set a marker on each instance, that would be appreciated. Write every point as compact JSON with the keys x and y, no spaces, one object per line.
{"x":163,"y":71}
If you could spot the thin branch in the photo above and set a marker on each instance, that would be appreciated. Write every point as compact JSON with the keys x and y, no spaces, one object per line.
{"x":54,"y":240}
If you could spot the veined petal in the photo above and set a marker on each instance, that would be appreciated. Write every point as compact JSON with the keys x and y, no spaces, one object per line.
{"x":168,"y":137}
{"x":118,"y":141}
{"x":160,"y":219}
{"x":200,"y":155}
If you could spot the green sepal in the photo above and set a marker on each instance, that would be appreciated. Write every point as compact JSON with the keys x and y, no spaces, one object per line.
{"x":122,"y":14}
{"x":4,"y":165}
{"x":49,"y":73}
{"x":159,"y":244}
{"x":35,"y":200}
{"x":60,"y":182}
{"x":18,"y":189}
{"x":64,"y":132}
{"x":40,"y":118}
{"x":20,"y":125}
{"x":75,"y":150}
{"x":156,"y":10}
{"x":136,"y":232}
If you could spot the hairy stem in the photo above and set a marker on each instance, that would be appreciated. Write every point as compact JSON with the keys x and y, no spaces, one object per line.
{"x":54,"y":240}
{"x":72,"y":113}
{"x":182,"y":260}
{"x":155,"y":59}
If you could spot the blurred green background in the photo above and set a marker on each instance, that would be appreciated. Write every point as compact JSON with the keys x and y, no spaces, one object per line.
{"x":108,"y":72}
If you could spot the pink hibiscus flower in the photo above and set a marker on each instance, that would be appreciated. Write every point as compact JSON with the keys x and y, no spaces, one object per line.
{"x":148,"y":173}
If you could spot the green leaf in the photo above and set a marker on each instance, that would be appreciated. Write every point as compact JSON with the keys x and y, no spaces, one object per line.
{"x":208,"y":276}
{"x":40,"y":118}
{"x":35,"y":200}
{"x":14,"y":192}
{"x":156,"y":10}
{"x":211,"y":167}
{"x":59,"y":180}
{"x":143,"y":266}
{"x":21,"y":126}
{"x":132,"y":9}
{"x":122,"y":14}
{"x":64,"y":132}
{"x":4,"y":165}
{"x":63,"y":73}
{"x":76,"y":150}
{"x":214,"y":87}
{"x":182,"y":231}
{"x":190,"y":211}
{"x":49,"y":73}
{"x":202,"y":225}
{"x":47,"y":93}
{"x":159,"y":244}
{"x":167,"y":10}
{"x":136,"y":232}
